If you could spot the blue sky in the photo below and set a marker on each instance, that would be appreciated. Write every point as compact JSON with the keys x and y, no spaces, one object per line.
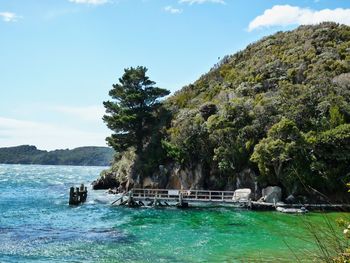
{"x":59,"y":58}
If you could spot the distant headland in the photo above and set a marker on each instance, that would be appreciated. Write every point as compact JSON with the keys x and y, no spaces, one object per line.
{"x":28,"y":154}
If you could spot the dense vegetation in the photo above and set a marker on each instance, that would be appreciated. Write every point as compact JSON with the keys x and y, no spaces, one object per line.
{"x":280,"y":108}
{"x":25,"y":154}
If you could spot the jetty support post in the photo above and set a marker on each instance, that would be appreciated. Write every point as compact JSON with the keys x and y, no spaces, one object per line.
{"x":77,"y":195}
{"x":181,"y":203}
{"x":131,"y":201}
{"x":72,"y":199}
{"x":82,"y":193}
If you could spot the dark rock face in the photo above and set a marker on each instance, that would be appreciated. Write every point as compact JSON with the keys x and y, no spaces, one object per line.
{"x":248,"y":179}
{"x":185,"y":178}
{"x":107,"y":181}
{"x":272,"y":194}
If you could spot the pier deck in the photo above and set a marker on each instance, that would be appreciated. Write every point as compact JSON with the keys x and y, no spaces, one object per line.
{"x":184,"y":198}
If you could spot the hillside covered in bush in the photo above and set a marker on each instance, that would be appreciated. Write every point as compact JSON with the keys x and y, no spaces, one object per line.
{"x":26,"y":154}
{"x":276,"y":113}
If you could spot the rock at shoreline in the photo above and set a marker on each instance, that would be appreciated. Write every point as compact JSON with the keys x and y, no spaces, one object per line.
{"x":242,"y":194}
{"x":105,"y":182}
{"x":290,"y":199}
{"x":272,"y":194}
{"x":248,"y":179}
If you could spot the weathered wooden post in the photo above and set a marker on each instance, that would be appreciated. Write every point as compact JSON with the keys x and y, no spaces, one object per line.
{"x":181,"y":203}
{"x":130,"y":200}
{"x":77,"y":195}
{"x":85,"y":194}
{"x":82,"y":193}
{"x":71,"y":196}
{"x":155,"y":201}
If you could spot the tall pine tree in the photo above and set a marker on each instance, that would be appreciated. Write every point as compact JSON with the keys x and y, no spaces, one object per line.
{"x":130,"y":113}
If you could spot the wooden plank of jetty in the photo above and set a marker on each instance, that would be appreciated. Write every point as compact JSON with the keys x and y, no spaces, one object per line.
{"x":182,"y":198}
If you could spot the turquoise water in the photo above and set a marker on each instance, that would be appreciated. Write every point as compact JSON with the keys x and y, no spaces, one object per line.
{"x":37,"y":225}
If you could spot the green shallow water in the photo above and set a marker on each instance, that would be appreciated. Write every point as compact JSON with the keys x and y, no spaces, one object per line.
{"x":37,"y":225}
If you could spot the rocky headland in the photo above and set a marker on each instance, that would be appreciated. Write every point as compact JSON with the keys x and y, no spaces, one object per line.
{"x":274,"y":114}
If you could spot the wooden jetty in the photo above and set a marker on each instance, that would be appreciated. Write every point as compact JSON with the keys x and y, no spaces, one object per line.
{"x":184,"y":198}
{"x":181,"y":198}
{"x":77,"y":195}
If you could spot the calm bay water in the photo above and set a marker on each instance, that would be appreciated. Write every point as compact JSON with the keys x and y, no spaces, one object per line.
{"x":37,"y":225}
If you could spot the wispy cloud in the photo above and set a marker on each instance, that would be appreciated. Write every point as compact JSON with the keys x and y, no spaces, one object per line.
{"x":172,"y":10}
{"x":55,"y":13}
{"x":46,"y":136}
{"x":89,"y":2}
{"x":191,"y":2}
{"x":285,"y":15}
{"x":88,"y":113}
{"x":9,"y":16}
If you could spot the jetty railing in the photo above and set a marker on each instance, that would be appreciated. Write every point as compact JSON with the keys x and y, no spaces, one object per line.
{"x":187,"y":195}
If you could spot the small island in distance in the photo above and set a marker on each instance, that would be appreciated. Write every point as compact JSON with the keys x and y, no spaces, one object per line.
{"x":85,"y":156}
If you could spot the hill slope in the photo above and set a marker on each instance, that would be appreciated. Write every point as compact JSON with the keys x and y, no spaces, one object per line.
{"x":89,"y":156}
{"x":276,"y":113}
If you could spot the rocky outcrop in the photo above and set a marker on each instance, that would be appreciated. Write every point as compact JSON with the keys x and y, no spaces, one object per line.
{"x":107,"y":181}
{"x":148,"y":183}
{"x":290,"y":199}
{"x":185,"y":178}
{"x":271,"y":194}
{"x":248,"y":179}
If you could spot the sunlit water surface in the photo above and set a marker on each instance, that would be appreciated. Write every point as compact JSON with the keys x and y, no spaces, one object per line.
{"x":37,"y":225}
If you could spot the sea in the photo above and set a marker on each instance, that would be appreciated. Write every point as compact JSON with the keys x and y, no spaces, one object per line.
{"x":38,"y":225}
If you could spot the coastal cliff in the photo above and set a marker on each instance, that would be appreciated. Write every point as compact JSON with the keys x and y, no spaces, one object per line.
{"x":275,"y":113}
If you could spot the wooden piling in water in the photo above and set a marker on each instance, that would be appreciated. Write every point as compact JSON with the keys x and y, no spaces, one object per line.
{"x":77,"y":195}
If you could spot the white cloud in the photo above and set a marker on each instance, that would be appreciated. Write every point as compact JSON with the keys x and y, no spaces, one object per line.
{"x":172,"y":10}
{"x":285,"y":15}
{"x":89,"y":113}
{"x":46,"y":136}
{"x":202,"y":1}
{"x":89,"y":2}
{"x":9,"y":17}
{"x":55,"y":13}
